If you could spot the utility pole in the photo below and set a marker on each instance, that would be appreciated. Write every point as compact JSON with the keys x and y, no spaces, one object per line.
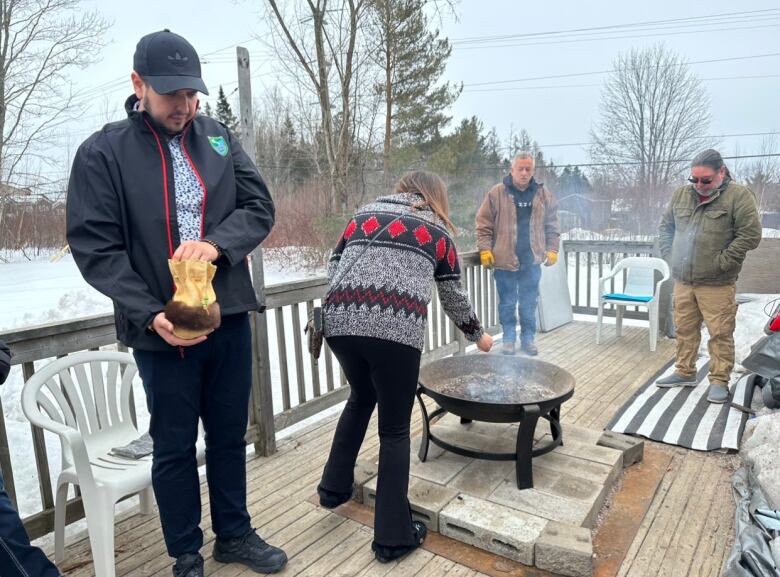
{"x":262,"y":391}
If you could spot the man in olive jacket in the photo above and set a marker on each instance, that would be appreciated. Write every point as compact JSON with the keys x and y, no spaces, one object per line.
{"x":517,"y":231}
{"x":707,"y":230}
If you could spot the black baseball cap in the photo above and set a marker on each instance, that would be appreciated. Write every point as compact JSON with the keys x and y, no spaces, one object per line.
{"x":168,"y":63}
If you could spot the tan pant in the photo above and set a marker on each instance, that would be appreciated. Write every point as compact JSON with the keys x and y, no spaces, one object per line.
{"x":717,"y":307}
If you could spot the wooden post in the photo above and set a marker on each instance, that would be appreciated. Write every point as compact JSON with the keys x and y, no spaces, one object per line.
{"x":262,"y":393}
{"x":665,"y":301}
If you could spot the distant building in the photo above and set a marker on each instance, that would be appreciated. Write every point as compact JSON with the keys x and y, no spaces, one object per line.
{"x":580,"y":211}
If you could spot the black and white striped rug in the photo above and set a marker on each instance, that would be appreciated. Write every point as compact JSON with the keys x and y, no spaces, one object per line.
{"x":682,"y":416}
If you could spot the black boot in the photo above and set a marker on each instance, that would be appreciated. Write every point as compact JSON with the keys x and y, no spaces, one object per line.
{"x":330,"y":499}
{"x":385,"y":554}
{"x":188,"y":565}
{"x":252,"y":551}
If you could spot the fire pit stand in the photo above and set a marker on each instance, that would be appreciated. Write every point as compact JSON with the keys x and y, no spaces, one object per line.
{"x":472,"y":403}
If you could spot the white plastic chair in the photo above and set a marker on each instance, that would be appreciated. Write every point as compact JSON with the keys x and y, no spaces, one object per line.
{"x":640,"y":290}
{"x":85,"y":399}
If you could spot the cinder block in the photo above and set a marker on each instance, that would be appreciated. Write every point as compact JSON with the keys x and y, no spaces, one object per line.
{"x":364,"y":472}
{"x":469,"y":437}
{"x":633,"y":449}
{"x":581,"y":434}
{"x":480,"y":478}
{"x":588,"y":451}
{"x":480,"y":427}
{"x":565,"y":550}
{"x":574,"y":466}
{"x":493,"y":527}
{"x":426,"y":499}
{"x":558,"y":482}
{"x":543,"y":504}
{"x":542,"y":429}
{"x":440,"y":466}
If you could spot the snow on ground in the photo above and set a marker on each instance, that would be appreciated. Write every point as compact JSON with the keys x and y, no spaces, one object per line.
{"x":37,"y":292}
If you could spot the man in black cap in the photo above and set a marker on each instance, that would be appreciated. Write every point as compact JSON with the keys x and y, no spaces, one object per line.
{"x":707,"y":230}
{"x":168,"y":183}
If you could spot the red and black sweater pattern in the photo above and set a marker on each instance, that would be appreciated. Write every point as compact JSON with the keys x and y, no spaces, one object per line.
{"x":386,"y":292}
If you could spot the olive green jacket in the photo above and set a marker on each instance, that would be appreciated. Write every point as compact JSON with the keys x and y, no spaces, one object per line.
{"x":708,"y":241}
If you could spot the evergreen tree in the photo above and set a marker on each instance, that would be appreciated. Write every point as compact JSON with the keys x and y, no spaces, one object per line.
{"x":413,"y":59}
{"x":207,"y":110}
{"x":224,"y":112}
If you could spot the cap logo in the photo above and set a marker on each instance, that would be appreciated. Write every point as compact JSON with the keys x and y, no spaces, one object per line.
{"x":178,"y":59}
{"x":219,"y":145}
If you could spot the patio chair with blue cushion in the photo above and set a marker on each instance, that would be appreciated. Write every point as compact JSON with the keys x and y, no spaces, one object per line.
{"x":640,"y":289}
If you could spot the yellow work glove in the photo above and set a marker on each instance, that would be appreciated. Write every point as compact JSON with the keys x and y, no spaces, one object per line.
{"x":486,"y":258}
{"x":552,"y":258}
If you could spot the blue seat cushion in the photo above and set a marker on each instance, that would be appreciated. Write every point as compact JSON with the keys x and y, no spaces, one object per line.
{"x":632,"y":298}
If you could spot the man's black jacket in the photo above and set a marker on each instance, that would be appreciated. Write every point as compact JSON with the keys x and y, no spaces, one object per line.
{"x":121,"y":217}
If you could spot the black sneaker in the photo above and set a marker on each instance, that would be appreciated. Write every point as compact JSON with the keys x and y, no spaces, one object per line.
{"x":331,"y":499}
{"x":252,"y":551}
{"x":188,"y":565}
{"x":529,"y":348}
{"x":385,"y":554}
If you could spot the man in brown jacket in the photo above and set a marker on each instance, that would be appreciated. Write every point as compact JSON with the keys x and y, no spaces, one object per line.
{"x":517,"y":231}
{"x":707,"y":230}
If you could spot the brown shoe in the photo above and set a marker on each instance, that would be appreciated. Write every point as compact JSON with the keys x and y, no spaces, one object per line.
{"x":529,"y":348}
{"x":508,"y":348}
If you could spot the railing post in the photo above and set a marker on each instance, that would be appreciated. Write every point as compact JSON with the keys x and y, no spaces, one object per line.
{"x":5,"y":459}
{"x":262,"y":396}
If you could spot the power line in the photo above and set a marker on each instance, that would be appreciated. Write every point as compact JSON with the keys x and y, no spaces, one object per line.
{"x":556,"y":86}
{"x":501,"y":166}
{"x":621,"y":37}
{"x":710,"y":137}
{"x":599,"y":72}
{"x":611,"y":27}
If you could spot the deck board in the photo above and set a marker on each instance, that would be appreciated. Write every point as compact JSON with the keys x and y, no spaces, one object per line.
{"x":685,"y":531}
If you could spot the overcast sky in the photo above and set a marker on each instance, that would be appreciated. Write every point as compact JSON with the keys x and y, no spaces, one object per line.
{"x":487,"y":50}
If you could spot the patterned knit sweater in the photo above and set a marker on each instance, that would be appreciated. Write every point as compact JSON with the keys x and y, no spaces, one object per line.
{"x":386,"y":292}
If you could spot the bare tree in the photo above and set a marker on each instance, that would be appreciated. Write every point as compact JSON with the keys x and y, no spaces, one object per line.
{"x":40,"y":42}
{"x":321,"y":38}
{"x":763,"y":174}
{"x":654,"y":117}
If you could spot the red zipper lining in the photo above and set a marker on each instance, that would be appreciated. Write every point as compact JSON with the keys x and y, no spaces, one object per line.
{"x":165,"y":189}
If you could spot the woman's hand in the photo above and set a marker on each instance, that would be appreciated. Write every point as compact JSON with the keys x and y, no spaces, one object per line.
{"x":485,"y":343}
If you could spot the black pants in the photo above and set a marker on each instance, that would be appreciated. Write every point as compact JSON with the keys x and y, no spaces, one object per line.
{"x":17,"y":557}
{"x":210,"y":381}
{"x":380,"y":373}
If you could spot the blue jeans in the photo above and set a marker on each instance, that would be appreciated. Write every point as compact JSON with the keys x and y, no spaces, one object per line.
{"x":518,"y":290}
{"x":17,"y":557}
{"x":208,"y":381}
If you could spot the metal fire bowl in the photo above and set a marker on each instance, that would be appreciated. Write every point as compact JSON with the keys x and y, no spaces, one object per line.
{"x":495,"y":388}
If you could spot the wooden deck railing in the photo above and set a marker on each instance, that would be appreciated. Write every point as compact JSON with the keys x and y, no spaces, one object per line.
{"x":288,"y":385}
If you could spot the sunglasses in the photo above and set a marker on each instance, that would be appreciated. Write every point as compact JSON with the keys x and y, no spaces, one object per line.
{"x":694,"y":180}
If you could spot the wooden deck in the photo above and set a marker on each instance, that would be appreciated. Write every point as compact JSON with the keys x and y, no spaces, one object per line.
{"x":687,"y":530}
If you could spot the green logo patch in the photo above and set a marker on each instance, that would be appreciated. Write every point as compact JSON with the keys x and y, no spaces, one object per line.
{"x":218,"y":143}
